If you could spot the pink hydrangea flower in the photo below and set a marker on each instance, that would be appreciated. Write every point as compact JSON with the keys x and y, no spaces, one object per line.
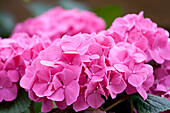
{"x":143,"y":33}
{"x":128,"y":60}
{"x":30,"y":46}
{"x":161,"y":85}
{"x":57,"y":22}
{"x":8,"y":89}
{"x":12,"y":68}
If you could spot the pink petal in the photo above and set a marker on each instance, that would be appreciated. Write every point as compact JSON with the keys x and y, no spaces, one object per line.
{"x":71,"y":92}
{"x":5,"y":80}
{"x":121,"y":67}
{"x":164,"y":52}
{"x":118,"y":88}
{"x":156,"y":56}
{"x":142,"y":92}
{"x":47,"y":105}
{"x":10,"y":93}
{"x":67,"y":76}
{"x":135,"y":80}
{"x":80,"y":104}
{"x":39,"y":88}
{"x":14,"y":75}
{"x":57,"y":95}
{"x":47,"y":63}
{"x":61,"y":104}
{"x":95,"y":100}
{"x":139,"y":57}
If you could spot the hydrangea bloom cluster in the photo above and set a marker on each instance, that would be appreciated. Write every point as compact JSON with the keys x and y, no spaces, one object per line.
{"x":161,"y":85}
{"x":57,"y":22}
{"x":77,"y":70}
{"x":65,"y":57}
{"x":12,"y":67}
{"x":144,"y":34}
{"x":16,"y":53}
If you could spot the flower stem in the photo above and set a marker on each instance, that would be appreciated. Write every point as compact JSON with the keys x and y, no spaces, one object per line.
{"x":113,"y":105}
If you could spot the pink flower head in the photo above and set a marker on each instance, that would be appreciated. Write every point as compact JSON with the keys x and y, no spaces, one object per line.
{"x":143,"y":33}
{"x":8,"y":89}
{"x":139,"y":78}
{"x":53,"y":75}
{"x":57,"y":22}
{"x":78,"y":44}
{"x":116,"y":83}
{"x":161,"y":85}
{"x":12,"y":68}
{"x":30,"y":46}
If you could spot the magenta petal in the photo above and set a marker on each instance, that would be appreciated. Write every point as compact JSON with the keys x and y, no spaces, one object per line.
{"x":142,"y":92}
{"x":27,"y":82}
{"x":57,"y":95}
{"x":39,"y":88}
{"x":47,"y":63}
{"x":5,"y":80}
{"x":47,"y":105}
{"x":13,"y":75}
{"x":95,"y":100}
{"x":67,"y":76}
{"x":61,"y":104}
{"x":72,"y":92}
{"x":139,"y":57}
{"x":135,"y":80}
{"x":155,"y":55}
{"x":80,"y":104}
{"x":118,"y":88}
{"x":10,"y":93}
{"x":164,"y":52}
{"x":121,"y":67}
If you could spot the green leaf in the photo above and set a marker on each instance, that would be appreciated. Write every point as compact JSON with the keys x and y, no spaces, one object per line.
{"x":153,"y":104}
{"x":19,"y":105}
{"x":109,"y":13}
{"x":54,"y":105}
{"x":37,"y":106}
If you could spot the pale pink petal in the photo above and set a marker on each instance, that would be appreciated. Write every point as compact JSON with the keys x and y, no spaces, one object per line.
{"x":57,"y":95}
{"x":118,"y":88}
{"x":156,"y":56}
{"x":10,"y":93}
{"x":95,"y":100}
{"x":142,"y":92}
{"x":121,"y":67}
{"x":14,"y":75}
{"x":135,"y":80}
{"x":80,"y":104}
{"x":71,"y":92}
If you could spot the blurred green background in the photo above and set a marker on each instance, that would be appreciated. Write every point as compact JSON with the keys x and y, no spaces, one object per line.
{"x":13,"y":11}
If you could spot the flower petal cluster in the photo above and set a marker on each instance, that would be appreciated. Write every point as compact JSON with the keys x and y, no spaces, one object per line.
{"x":80,"y":69}
{"x":65,"y":57}
{"x":58,"y":21}
{"x":143,"y":33}
{"x":161,"y":85}
{"x":12,"y":67}
{"x":16,"y":53}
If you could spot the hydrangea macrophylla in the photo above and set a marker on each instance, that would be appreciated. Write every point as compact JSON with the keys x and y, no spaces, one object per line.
{"x":142,"y":33}
{"x":12,"y":68}
{"x":161,"y":85}
{"x":30,"y":46}
{"x":53,"y":77}
{"x":128,"y":60}
{"x":57,"y":22}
